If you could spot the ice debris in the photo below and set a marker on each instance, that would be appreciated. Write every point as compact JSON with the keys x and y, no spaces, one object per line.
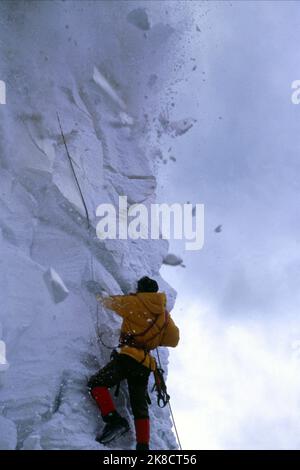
{"x":139,"y":18}
{"x":172,"y":260}
{"x":56,"y":286}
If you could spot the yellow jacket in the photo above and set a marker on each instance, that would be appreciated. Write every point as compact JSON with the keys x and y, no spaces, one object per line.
{"x":146,"y":319}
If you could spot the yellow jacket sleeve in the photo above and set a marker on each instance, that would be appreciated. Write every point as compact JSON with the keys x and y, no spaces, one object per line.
{"x":117,"y":303}
{"x":171,"y":335}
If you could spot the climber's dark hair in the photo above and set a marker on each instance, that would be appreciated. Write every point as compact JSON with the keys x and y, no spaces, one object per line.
{"x":145,"y":284}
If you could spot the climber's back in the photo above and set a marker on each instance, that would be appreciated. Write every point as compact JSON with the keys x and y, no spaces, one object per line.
{"x":146,"y":322}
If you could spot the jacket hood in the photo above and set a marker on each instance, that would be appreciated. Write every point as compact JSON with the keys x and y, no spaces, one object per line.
{"x":155,"y":302}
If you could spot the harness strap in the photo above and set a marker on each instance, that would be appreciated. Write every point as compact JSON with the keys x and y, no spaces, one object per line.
{"x":129,"y":338}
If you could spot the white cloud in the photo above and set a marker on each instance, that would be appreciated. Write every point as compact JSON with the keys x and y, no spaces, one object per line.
{"x":233,"y":386}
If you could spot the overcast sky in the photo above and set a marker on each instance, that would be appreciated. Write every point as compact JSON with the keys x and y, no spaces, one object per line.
{"x":234,"y":378}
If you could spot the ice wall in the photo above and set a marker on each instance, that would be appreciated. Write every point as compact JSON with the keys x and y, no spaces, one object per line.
{"x":105,"y":67}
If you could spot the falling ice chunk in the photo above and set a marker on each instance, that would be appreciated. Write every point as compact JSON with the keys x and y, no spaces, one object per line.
{"x":139,"y":18}
{"x":107,"y":88}
{"x":125,"y":119}
{"x":218,"y":229}
{"x":172,"y":260}
{"x":175,"y":128}
{"x":56,"y":286}
{"x":181,"y":127}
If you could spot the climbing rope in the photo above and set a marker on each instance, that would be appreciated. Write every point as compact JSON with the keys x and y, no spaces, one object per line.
{"x":74,"y":173}
{"x":170,"y":408}
{"x":97,"y":328}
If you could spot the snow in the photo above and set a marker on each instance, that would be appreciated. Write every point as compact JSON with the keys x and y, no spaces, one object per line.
{"x":8,"y":434}
{"x":93,"y":71}
{"x":55,"y":285}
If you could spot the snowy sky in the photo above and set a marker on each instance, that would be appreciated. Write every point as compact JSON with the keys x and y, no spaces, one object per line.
{"x":235,"y":378}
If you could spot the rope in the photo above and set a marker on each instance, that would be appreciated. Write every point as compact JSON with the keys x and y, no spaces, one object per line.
{"x":97,"y":328}
{"x":74,"y":173}
{"x":111,"y":348}
{"x":170,"y":408}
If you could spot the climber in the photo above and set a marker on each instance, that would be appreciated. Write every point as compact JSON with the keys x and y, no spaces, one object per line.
{"x":146,"y":325}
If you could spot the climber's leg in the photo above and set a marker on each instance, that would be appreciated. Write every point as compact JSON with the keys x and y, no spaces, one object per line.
{"x":138,"y":393}
{"x":142,"y":432}
{"x":98,"y":385}
{"x":104,"y":401}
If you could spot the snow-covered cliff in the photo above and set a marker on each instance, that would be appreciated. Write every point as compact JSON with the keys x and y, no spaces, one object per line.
{"x":104,"y":67}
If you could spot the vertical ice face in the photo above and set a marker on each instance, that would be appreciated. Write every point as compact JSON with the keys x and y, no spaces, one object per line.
{"x":89,"y":62}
